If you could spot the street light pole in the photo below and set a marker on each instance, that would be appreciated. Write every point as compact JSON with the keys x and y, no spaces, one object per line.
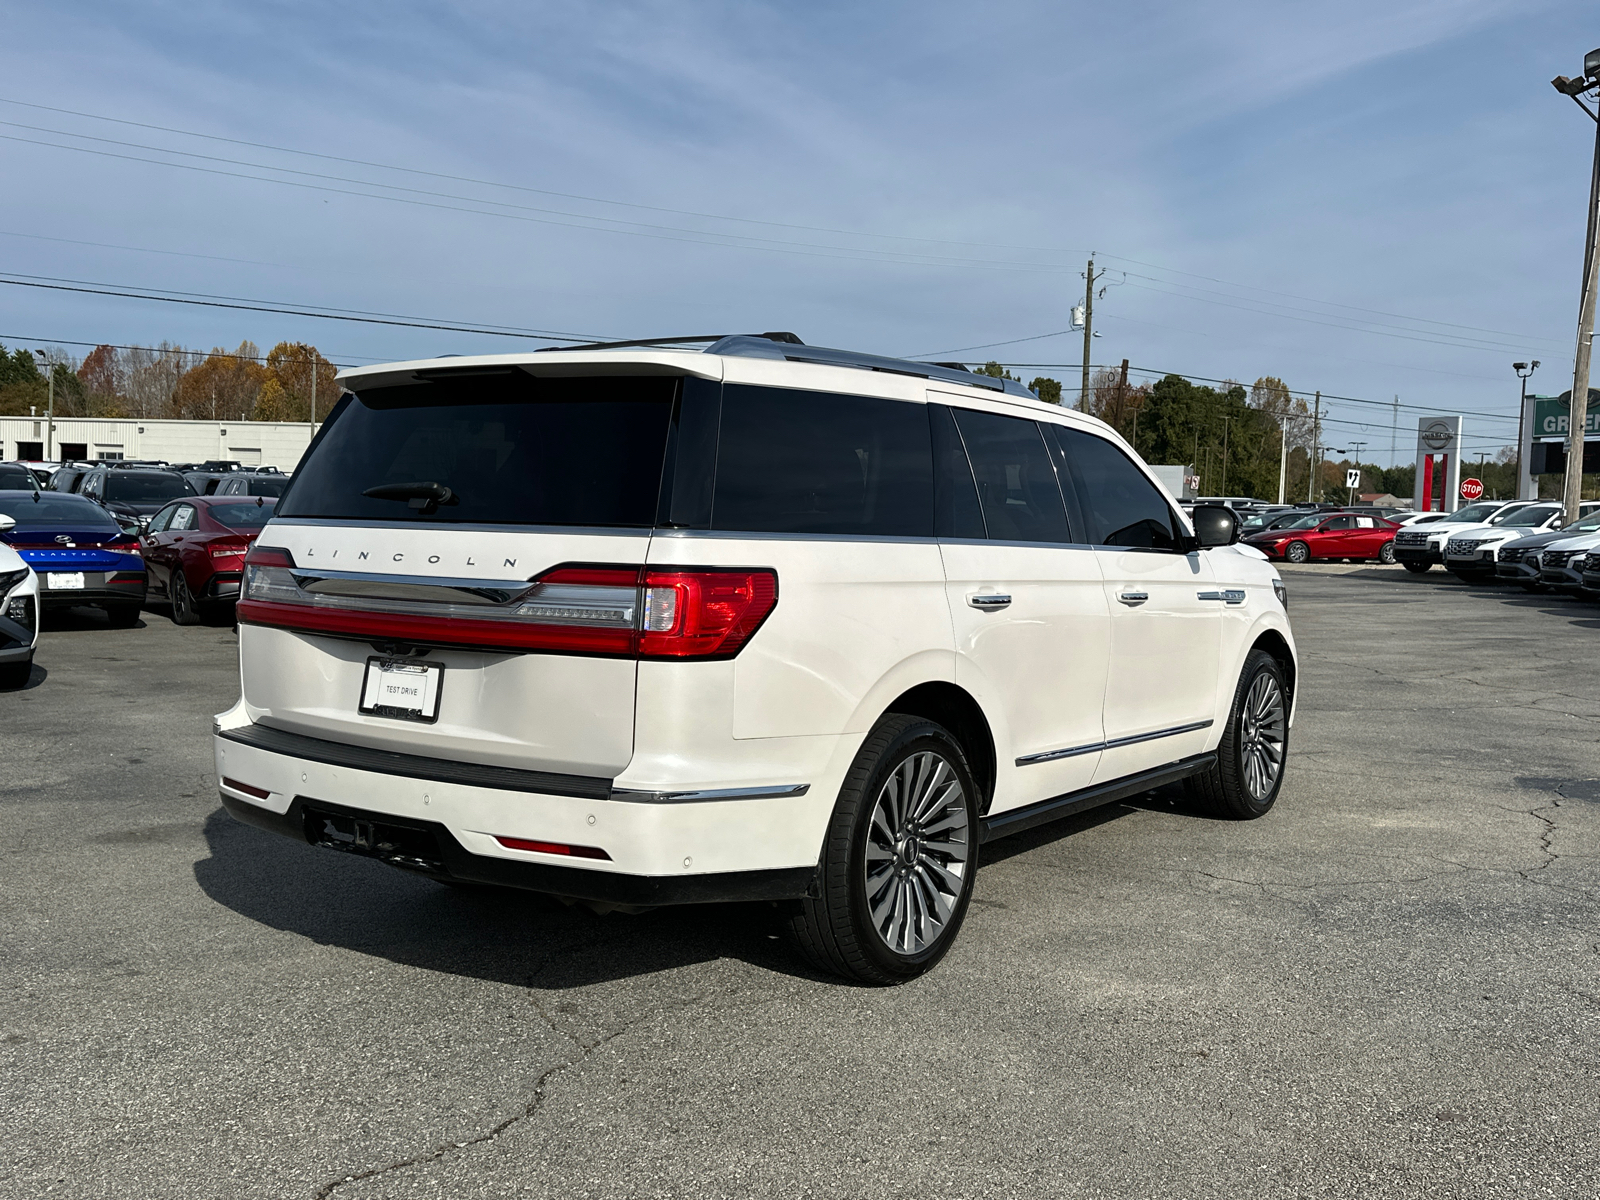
{"x":1523,"y":370}
{"x":50,"y":413}
{"x":1578,"y":410}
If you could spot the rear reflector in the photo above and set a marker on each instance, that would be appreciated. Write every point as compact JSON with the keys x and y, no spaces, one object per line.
{"x":247,"y":789}
{"x":512,"y":843}
{"x":602,"y":610}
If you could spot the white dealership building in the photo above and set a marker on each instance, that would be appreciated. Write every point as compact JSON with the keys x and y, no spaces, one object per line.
{"x":252,"y":443}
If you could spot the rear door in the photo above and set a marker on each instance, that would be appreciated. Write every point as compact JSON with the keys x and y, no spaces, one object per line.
{"x":1165,"y":611}
{"x":1027,"y":602}
{"x":154,"y":547}
{"x":424,"y":514}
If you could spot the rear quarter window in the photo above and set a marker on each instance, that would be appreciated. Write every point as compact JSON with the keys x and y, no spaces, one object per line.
{"x":791,"y":461}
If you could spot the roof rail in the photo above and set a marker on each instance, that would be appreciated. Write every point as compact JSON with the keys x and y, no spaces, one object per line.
{"x":788,"y":338}
{"x":745,"y":346}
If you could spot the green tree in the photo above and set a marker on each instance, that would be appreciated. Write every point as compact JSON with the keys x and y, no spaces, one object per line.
{"x":21,"y":384}
{"x":1048,"y":390}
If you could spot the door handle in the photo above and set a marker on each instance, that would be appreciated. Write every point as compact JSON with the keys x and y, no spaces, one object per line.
{"x":989,"y":601}
{"x":1133,"y":598}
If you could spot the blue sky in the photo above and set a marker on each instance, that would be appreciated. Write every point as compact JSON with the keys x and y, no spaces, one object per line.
{"x":1328,"y":193}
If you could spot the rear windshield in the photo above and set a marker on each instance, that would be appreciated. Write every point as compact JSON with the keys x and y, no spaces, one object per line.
{"x":510,"y":448}
{"x":136,"y":486}
{"x":242,"y":515}
{"x":17,"y":478}
{"x":54,"y":508}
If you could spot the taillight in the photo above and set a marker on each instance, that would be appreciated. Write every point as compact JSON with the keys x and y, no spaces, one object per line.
{"x":615,"y":611}
{"x":538,"y":847}
{"x":228,"y":549}
{"x":704,"y":614}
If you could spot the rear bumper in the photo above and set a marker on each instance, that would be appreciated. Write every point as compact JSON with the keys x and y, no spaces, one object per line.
{"x":429,"y":848}
{"x":222,"y":586}
{"x":445,"y":820}
{"x":99,"y":587}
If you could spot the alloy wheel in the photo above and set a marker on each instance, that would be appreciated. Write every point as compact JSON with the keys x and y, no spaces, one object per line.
{"x":918,"y":853}
{"x":1262,"y":725}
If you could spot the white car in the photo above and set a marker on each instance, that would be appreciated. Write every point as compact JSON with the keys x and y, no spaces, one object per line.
{"x":1558,"y":563}
{"x":19,"y":613}
{"x":1418,"y":549}
{"x":1420,"y":518}
{"x":1470,"y":551}
{"x":646,"y":625}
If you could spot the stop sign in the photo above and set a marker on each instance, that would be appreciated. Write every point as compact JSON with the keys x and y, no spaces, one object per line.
{"x":1471,"y":489}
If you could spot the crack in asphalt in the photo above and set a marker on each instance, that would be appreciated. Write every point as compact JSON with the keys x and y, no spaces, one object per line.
{"x":534,"y":1103}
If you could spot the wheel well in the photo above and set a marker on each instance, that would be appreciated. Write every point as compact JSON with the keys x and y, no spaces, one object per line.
{"x":958,"y":712}
{"x":1271,"y":642}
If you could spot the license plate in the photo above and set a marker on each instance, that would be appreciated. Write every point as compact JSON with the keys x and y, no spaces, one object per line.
{"x":402,"y":689}
{"x":64,"y":581}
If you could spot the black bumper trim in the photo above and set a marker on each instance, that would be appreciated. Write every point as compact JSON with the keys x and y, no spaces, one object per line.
{"x":454,"y":861}
{"x":1018,"y":819}
{"x":417,"y":766}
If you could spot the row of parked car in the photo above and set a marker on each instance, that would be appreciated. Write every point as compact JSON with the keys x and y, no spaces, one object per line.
{"x":121,"y":538}
{"x":1525,"y":542}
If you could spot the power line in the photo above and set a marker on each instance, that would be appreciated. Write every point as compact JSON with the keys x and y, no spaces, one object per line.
{"x":193,"y":298}
{"x":22,"y":339}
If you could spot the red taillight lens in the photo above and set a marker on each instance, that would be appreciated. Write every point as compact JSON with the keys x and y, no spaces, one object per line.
{"x":228,"y":549}
{"x":513,"y":843}
{"x":578,"y":609}
{"x":704,"y":614}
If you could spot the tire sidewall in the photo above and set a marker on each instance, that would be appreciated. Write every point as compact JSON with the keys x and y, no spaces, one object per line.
{"x":1256,"y":665}
{"x":924,"y":735}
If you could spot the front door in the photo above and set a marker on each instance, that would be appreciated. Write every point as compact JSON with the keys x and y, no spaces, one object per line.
{"x":1165,"y":609}
{"x":1026,"y":602}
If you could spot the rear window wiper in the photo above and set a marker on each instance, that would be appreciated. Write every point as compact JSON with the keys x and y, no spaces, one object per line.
{"x":423,"y":497}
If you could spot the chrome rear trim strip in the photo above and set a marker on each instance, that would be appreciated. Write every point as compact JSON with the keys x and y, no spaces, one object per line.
{"x":710,"y":795}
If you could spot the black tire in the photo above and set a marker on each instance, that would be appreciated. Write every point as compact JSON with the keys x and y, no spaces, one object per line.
{"x":1297,"y":552}
{"x":15,"y":674}
{"x":1231,"y":789}
{"x":836,"y":931}
{"x":1386,"y":554}
{"x":1417,"y":568}
{"x":184,"y":610}
{"x":122,"y":616}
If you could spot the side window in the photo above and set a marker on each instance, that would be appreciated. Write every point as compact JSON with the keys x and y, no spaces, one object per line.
{"x":1017,"y":488}
{"x":1340,"y":523}
{"x":159,"y":522}
{"x":182,"y":518}
{"x":1120,"y":505}
{"x":816,"y":462}
{"x":957,"y":513}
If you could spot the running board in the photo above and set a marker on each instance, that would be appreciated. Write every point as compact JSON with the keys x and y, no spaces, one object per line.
{"x":1017,"y":819}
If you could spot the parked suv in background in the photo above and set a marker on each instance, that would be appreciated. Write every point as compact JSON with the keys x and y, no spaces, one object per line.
{"x":134,"y":492}
{"x":1470,"y":552}
{"x":1419,"y":547}
{"x":1517,"y":561}
{"x":642,"y":625}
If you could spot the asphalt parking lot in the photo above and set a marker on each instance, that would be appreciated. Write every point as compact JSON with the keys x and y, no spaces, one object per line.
{"x":1388,"y":987}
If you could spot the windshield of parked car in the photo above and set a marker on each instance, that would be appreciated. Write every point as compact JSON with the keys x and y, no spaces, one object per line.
{"x":55,"y":508}
{"x":17,"y":479}
{"x":265,"y":485}
{"x":1527,"y":517}
{"x":138,"y":486}
{"x":242,"y":515}
{"x":1474,"y":514}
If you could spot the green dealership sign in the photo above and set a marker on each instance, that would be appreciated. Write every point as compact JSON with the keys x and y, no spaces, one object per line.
{"x":1551,"y":418}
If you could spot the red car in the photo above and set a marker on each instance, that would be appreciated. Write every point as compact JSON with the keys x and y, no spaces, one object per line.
{"x":194,"y":552}
{"x":1329,"y":536}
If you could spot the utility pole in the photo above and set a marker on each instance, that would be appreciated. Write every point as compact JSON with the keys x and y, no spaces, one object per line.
{"x":1283,"y":456}
{"x":1088,"y":330}
{"x":1394,"y":433}
{"x":1225,"y":421}
{"x":1122,"y":402}
{"x":1315,"y":461}
{"x":1578,"y":411}
{"x":313,"y":393}
{"x":1357,"y":445}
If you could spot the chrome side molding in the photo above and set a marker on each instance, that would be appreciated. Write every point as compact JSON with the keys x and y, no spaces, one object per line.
{"x":1029,"y":760}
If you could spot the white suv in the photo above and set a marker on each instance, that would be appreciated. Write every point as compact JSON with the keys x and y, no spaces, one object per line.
{"x":641,"y":625}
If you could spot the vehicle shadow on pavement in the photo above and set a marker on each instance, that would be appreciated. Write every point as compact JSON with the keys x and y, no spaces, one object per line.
{"x":496,"y":934}
{"x":73,"y":620}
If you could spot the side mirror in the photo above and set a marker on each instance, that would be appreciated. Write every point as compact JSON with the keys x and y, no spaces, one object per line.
{"x":1215,"y":525}
{"x":7,"y":524}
